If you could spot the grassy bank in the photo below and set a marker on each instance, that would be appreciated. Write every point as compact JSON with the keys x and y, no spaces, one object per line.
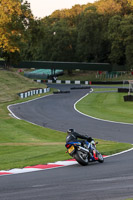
{"x":22,"y":143}
{"x":108,"y":106}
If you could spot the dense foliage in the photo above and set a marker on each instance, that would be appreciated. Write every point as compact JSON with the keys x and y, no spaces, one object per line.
{"x":96,"y":32}
{"x":15,"y":17}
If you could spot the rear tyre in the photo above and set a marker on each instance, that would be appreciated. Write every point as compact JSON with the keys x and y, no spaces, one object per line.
{"x":82,"y":158}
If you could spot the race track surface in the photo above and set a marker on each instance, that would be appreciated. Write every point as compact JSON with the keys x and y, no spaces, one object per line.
{"x":111,"y":180}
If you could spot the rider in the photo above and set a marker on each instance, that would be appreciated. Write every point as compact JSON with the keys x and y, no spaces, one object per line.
{"x":73,"y":136}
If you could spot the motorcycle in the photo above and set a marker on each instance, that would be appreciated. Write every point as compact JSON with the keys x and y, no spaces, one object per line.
{"x":84,"y":153}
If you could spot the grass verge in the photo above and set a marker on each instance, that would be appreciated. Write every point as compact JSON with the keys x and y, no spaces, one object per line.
{"x":108,"y":106}
{"x":21,"y":155}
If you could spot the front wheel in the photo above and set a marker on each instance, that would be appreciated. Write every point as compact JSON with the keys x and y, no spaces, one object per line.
{"x":100,"y":157}
{"x":82,"y":158}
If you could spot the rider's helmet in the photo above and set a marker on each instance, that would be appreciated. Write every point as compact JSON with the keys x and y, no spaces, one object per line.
{"x":70,"y":130}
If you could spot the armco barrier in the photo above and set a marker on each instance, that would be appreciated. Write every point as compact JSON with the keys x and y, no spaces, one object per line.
{"x":85,"y":82}
{"x":124,"y":90}
{"x":82,"y":87}
{"x":33,"y":92}
{"x":61,"y":92}
{"x":64,"y":82}
{"x":128,"y":98}
{"x":81,"y":82}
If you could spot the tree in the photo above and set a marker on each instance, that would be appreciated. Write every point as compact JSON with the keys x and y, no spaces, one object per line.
{"x":14,"y":20}
{"x":92,"y":44}
{"x":98,"y":32}
{"x":35,"y":38}
{"x":127,"y":34}
{"x":59,"y":42}
{"x":110,"y":7}
{"x":115,"y":36}
{"x":120,"y":34}
{"x":126,"y":6}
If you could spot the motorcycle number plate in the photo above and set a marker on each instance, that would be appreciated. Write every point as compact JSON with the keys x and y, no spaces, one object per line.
{"x":71,"y":149}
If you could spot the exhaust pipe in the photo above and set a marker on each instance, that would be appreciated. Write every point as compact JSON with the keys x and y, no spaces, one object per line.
{"x":84,"y":150}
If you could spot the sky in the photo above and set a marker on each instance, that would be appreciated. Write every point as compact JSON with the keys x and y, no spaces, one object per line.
{"x":43,"y":8}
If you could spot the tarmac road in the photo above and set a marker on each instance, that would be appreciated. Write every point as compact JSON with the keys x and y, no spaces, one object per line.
{"x":57,"y":112}
{"x":111,"y":180}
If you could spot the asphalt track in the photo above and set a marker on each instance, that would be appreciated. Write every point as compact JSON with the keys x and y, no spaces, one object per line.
{"x":111,"y":180}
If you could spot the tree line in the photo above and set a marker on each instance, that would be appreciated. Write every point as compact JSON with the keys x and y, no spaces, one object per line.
{"x":95,"y":32}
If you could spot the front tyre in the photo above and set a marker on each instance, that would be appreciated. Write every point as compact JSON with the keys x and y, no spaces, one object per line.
{"x":100,"y":157}
{"x":82,"y":158}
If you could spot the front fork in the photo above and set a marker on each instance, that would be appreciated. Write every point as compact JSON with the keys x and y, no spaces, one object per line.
{"x":93,"y":152}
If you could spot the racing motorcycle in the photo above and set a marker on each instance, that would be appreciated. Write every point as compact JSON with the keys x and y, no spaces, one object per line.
{"x":84,"y":153}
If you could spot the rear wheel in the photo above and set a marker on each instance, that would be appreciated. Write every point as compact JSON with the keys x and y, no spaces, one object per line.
{"x":82,"y":158}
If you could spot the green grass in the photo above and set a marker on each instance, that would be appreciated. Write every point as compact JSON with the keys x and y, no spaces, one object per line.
{"x":110,"y":147}
{"x":129,"y":199}
{"x":22,"y":143}
{"x":108,"y":106}
{"x":20,"y":156}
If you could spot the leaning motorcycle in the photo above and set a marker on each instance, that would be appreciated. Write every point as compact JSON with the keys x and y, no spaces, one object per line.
{"x":84,"y":153}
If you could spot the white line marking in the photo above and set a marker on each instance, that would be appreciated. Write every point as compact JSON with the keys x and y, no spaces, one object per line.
{"x":116,"y":154}
{"x":12,"y":114}
{"x":36,"y":186}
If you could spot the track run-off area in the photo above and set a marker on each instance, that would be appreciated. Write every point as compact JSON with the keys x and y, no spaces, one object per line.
{"x":111,"y":180}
